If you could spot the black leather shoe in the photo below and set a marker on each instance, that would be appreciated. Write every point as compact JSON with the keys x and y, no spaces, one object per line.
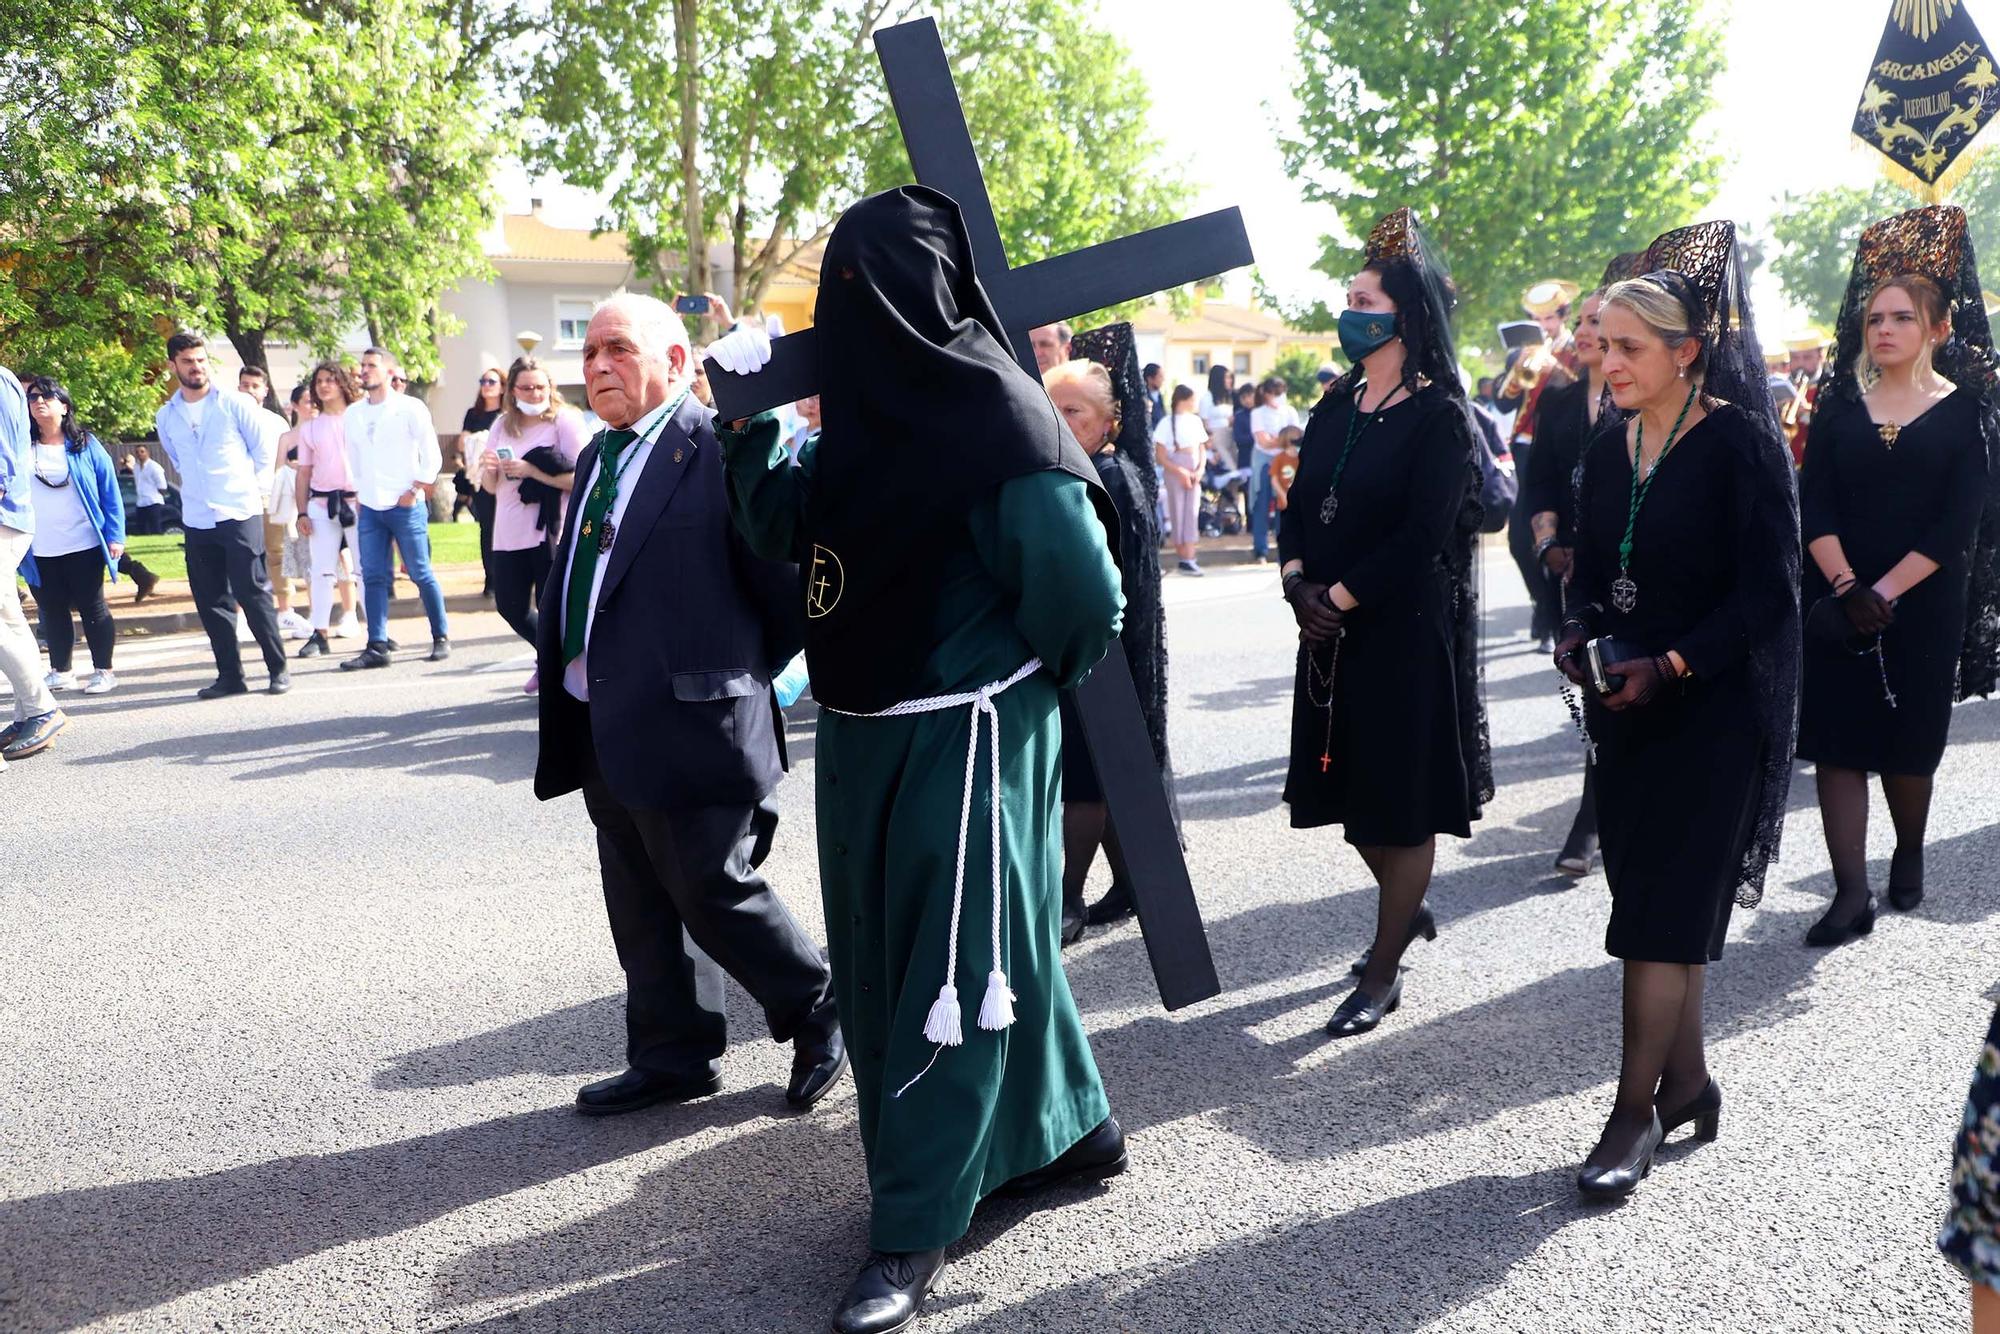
{"x":1361,"y":1012}
{"x":1074,"y":920}
{"x":1423,"y":924}
{"x":375,"y":655}
{"x":1704,"y":1110}
{"x":642,"y":1088}
{"x":391,"y":645}
{"x":1826,"y":932}
{"x":818,"y":1058}
{"x":223,"y":689}
{"x":1115,"y":906}
{"x":1906,"y":896}
{"x":440,"y":649}
{"x":888,"y":1292}
{"x":281,"y":681}
{"x":1577,"y":857}
{"x":1623,"y":1177}
{"x":1098,"y":1156}
{"x":315,"y":645}
{"x":146,"y":581}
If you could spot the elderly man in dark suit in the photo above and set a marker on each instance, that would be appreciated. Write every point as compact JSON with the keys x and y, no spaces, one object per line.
{"x":656,"y":702}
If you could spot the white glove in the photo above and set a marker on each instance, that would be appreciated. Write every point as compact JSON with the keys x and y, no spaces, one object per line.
{"x":744,"y":352}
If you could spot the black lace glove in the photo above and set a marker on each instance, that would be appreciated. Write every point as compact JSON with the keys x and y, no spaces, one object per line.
{"x":1867,"y":611}
{"x":1644,"y":678}
{"x":1569,"y":653}
{"x":1319,"y":620}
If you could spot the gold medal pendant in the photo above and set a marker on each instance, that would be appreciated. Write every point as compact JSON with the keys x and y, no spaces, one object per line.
{"x":1888,"y":431}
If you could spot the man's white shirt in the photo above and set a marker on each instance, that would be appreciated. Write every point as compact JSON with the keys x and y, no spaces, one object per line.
{"x":391,"y":447}
{"x":222,"y":446}
{"x":576,"y":676}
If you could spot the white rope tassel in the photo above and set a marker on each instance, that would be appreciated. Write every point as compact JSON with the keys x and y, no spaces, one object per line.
{"x":997,"y":1010}
{"x":945,"y":1024}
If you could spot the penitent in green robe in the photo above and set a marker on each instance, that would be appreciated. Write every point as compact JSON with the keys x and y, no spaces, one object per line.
{"x":1041,"y":583}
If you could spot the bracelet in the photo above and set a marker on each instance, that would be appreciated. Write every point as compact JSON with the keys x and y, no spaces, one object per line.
{"x":1541,"y":547}
{"x":1286,"y":584}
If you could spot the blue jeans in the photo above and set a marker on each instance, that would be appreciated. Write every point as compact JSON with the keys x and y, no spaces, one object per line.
{"x":1261,"y":496}
{"x":409,"y":530}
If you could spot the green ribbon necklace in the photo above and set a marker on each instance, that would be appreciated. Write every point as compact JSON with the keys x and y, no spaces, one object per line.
{"x":1624,"y":591}
{"x":1356,"y":424}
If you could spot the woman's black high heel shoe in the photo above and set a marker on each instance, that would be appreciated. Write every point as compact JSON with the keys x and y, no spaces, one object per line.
{"x":1826,"y":932}
{"x":1905,"y":897}
{"x":1361,"y":1012}
{"x":1421,"y":924}
{"x":1704,"y":1109}
{"x":1622,"y":1178}
{"x":1577,"y":856}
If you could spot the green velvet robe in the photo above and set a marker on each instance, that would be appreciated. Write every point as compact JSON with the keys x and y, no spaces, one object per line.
{"x":889,"y":797}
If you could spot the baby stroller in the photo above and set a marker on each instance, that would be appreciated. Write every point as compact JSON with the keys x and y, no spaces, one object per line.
{"x":1224,"y":510}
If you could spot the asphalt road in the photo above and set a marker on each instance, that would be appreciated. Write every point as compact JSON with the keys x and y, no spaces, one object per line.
{"x":298,"y":991}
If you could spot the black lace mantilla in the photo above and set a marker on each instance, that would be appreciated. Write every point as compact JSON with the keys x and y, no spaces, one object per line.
{"x":1933,"y":242}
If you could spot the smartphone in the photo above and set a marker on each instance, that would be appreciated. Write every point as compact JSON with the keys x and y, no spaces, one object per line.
{"x":504,"y":453}
{"x":691,"y":305}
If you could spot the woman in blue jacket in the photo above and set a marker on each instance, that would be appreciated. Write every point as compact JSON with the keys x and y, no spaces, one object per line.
{"x":79,"y":534}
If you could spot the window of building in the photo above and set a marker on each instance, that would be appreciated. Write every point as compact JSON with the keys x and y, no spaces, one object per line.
{"x":1242,"y":363}
{"x":572,"y":318}
{"x":1201,"y":363}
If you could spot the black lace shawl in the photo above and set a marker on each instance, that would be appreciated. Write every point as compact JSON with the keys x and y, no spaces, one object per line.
{"x":1133,"y":481}
{"x":1933,"y":241}
{"x":1701,"y":266}
{"x":1433,"y":357}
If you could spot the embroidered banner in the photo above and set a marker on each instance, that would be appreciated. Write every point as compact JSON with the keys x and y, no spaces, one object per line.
{"x":1931,"y":89}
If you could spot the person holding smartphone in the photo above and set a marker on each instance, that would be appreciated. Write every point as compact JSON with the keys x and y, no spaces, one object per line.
{"x":528,"y":465}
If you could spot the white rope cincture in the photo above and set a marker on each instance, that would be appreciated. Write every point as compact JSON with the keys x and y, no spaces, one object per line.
{"x":944,"y":1025}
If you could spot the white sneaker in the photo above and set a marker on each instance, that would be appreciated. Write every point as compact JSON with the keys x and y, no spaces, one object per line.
{"x":345,"y":628}
{"x":101,"y":683}
{"x":294,"y":625}
{"x":60,"y":680}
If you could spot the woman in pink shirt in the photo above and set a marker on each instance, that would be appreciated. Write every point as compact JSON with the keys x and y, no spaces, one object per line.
{"x":326,"y":497}
{"x":528,"y":464}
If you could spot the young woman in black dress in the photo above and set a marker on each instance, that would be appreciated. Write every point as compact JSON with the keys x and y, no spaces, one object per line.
{"x":1684,"y":576}
{"x":1388,"y":728}
{"x":1895,"y":478}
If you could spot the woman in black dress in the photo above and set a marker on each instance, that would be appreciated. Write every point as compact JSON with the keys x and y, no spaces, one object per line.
{"x":1684,"y":580}
{"x":1388,"y":727}
{"x":1085,"y":393}
{"x":1896,"y":475}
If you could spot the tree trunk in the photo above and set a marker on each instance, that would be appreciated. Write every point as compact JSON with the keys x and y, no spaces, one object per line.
{"x":686,"y":55}
{"x":249,"y":345}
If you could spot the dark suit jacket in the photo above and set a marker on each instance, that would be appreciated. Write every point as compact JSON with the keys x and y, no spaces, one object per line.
{"x":690,"y":627}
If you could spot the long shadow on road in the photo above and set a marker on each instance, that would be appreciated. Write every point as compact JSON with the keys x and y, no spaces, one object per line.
{"x":83,"y":1255}
{"x":472,"y":739}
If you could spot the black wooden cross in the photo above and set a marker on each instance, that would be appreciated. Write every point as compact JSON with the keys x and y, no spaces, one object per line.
{"x":1148,"y":856}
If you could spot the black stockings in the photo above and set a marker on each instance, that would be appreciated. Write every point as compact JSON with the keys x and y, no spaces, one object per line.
{"x":1083,"y":831}
{"x":1663,"y":1062}
{"x":1404,"y":875}
{"x":1843,"y":813}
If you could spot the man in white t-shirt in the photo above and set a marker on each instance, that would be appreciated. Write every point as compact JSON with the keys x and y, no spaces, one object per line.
{"x":1267,"y":420}
{"x":394,"y":454}
{"x":149,"y":486}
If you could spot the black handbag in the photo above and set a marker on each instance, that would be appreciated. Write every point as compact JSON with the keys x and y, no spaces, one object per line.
{"x":1827,"y":623}
{"x":1600,"y":653}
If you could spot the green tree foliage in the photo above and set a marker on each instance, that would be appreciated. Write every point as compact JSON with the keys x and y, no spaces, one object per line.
{"x":263,"y":169}
{"x":1299,"y":369}
{"x":1536,"y":141}
{"x":1821,"y":230}
{"x":758,"y":120}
